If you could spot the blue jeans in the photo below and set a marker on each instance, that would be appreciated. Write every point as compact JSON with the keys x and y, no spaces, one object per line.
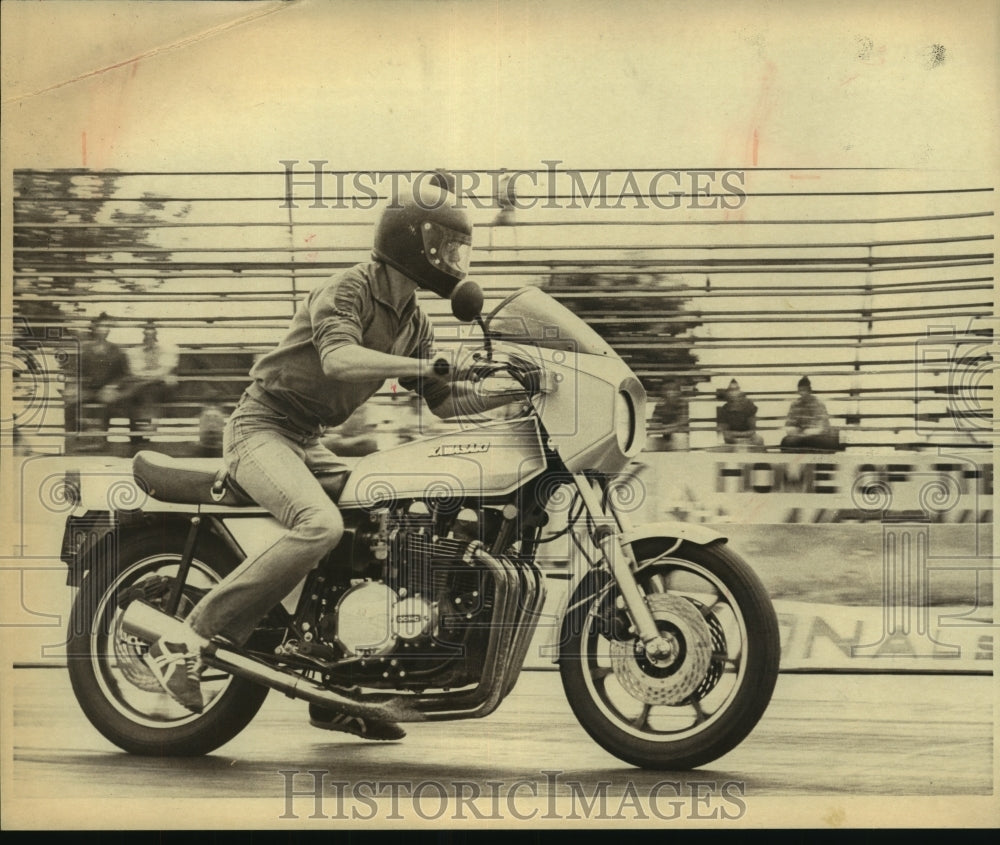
{"x":273,"y":459}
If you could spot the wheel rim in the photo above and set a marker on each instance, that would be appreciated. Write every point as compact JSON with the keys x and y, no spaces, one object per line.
{"x":116,"y":658}
{"x":666,"y":700}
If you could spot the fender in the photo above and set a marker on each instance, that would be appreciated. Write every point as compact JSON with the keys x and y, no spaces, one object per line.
{"x":692,"y":532}
{"x":91,"y":538}
{"x":85,"y":533}
{"x":596,"y":579}
{"x":679,"y":531}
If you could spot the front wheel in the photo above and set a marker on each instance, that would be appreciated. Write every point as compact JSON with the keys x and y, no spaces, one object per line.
{"x":701,"y":701}
{"x":115,"y":688}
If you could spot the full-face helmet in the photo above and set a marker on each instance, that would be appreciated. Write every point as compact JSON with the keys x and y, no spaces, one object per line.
{"x":427,"y":238}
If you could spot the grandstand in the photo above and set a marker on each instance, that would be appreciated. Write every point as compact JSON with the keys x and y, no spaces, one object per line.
{"x":877,"y":284}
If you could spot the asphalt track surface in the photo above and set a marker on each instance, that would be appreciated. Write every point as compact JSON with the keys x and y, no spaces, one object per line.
{"x":843,"y":735}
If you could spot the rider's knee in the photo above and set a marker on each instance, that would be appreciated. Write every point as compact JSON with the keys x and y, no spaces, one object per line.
{"x":322,"y":529}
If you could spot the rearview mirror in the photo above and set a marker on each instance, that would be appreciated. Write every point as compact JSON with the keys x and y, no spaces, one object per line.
{"x":467,"y":301}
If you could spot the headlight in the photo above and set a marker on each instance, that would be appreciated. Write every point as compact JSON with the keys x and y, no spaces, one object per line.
{"x":625,"y":427}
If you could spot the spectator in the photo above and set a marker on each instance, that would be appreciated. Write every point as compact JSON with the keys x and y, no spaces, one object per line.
{"x":736,"y":420}
{"x":101,"y":369}
{"x":152,"y":381}
{"x":808,"y":424}
{"x":670,"y":421}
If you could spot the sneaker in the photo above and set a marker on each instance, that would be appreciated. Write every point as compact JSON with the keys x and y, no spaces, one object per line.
{"x":178,"y":671}
{"x":332,"y":720}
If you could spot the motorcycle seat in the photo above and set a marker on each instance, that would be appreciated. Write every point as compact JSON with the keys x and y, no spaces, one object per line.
{"x":199,"y":482}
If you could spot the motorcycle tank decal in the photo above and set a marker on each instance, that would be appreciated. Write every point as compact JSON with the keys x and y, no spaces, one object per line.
{"x":477,"y":461}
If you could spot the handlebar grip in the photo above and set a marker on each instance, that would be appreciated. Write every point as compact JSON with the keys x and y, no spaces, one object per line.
{"x":442,"y":367}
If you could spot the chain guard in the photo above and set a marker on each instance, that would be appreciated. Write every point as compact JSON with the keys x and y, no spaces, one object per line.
{"x":691,"y":675}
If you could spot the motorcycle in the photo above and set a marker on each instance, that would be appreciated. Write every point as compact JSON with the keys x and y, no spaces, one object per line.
{"x":668,"y":643}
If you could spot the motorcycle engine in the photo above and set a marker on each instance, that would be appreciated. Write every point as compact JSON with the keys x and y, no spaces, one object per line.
{"x":371,"y":619}
{"x":402,"y":602}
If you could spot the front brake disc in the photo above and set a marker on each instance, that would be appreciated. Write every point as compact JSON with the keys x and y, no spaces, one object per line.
{"x":676,"y":679}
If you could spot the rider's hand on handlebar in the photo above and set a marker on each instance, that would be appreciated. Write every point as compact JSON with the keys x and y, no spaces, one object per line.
{"x":440,"y":365}
{"x":532,"y":378}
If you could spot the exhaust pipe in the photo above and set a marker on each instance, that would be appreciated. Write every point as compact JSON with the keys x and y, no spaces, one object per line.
{"x":147,"y":623}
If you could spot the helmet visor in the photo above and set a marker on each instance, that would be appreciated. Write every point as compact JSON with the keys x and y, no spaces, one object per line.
{"x":447,"y":249}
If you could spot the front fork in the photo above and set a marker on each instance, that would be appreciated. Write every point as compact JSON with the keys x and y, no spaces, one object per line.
{"x":611,"y":526}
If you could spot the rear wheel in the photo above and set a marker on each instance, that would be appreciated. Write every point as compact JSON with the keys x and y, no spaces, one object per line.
{"x":704,"y":698}
{"x":114,"y":687}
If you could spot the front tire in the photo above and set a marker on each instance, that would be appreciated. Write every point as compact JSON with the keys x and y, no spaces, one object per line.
{"x":115,"y":689}
{"x":683,"y":711}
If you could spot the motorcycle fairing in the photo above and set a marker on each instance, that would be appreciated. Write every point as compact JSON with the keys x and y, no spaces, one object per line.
{"x":586,"y":440}
{"x":589,"y":375}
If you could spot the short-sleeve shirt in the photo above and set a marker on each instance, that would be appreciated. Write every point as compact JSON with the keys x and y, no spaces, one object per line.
{"x":353,"y":308}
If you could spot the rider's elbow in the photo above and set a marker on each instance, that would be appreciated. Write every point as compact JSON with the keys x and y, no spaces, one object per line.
{"x":336,"y":365}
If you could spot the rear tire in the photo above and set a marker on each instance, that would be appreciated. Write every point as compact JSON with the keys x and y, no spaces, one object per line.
{"x":684,"y":712}
{"x":116,"y":691}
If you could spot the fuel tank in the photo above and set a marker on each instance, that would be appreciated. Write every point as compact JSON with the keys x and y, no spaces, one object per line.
{"x":481,"y":461}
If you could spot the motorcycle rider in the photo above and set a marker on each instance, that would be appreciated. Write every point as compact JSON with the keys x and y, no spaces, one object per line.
{"x":347,"y":336}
